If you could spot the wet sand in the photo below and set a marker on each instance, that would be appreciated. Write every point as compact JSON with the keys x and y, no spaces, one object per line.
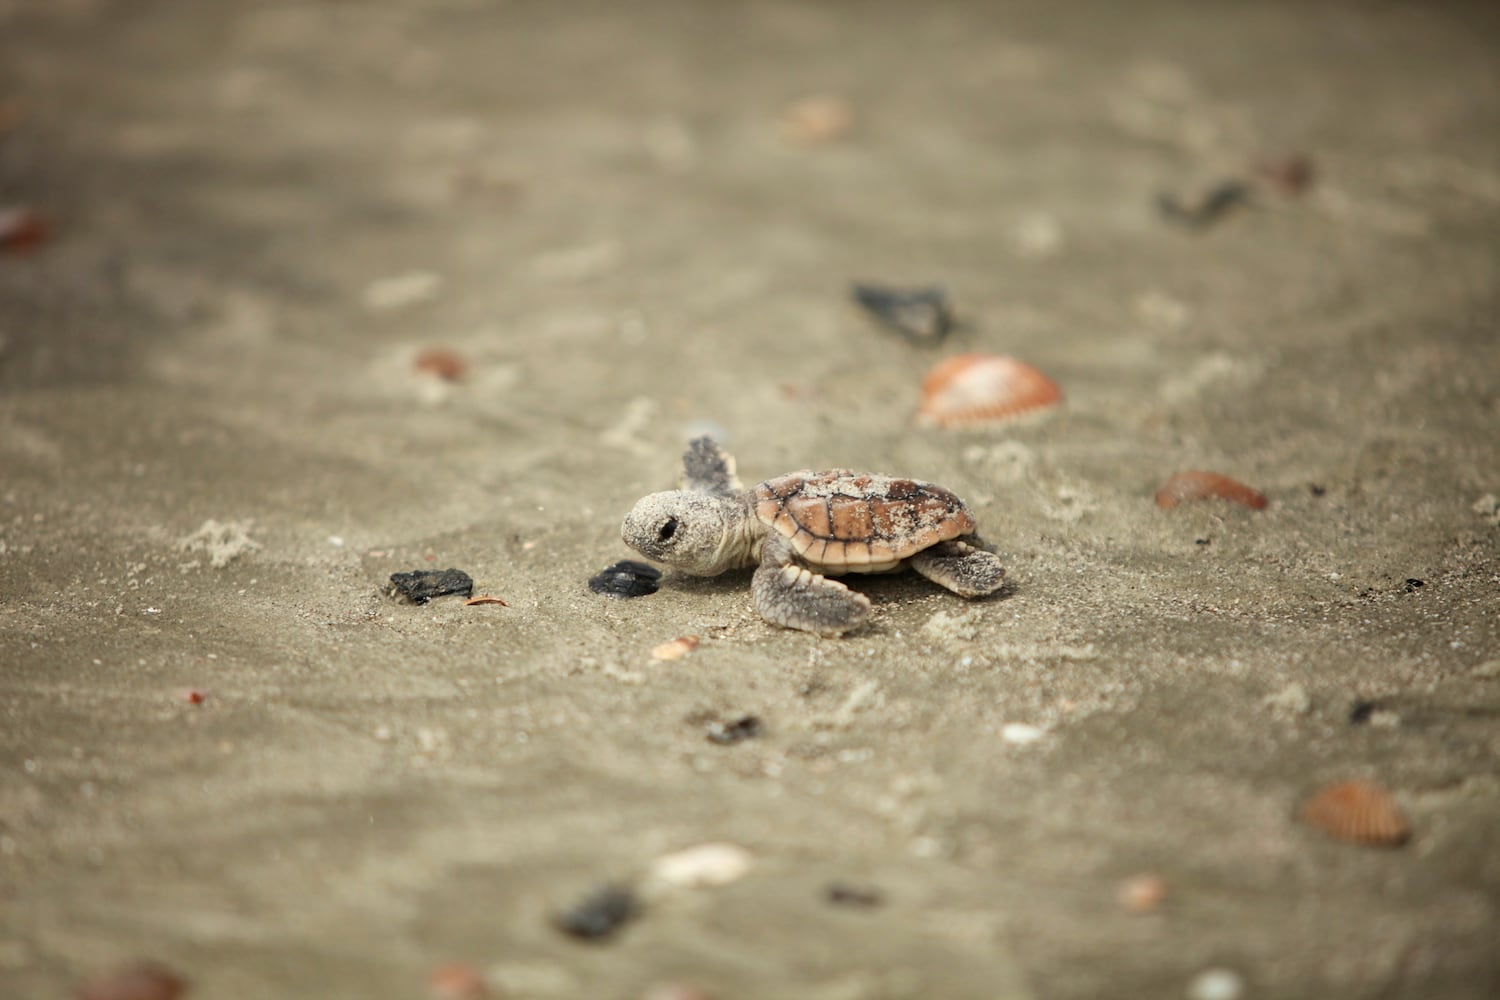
{"x":264,"y":214}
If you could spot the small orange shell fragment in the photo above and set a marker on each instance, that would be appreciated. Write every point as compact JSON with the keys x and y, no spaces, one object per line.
{"x":23,"y":230}
{"x":485,"y":599}
{"x":1142,"y":893}
{"x":1360,"y":812}
{"x":817,"y":119}
{"x":445,"y":364}
{"x":676,"y":649}
{"x":1195,"y":485}
{"x":457,"y":981}
{"x":136,"y":981}
{"x":984,"y":389}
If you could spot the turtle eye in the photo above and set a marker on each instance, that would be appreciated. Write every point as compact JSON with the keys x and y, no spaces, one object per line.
{"x":667,"y":530}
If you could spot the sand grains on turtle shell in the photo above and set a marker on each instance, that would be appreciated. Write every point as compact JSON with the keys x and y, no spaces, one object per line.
{"x":839,"y":519}
{"x":978,"y":389}
{"x":1360,"y":812}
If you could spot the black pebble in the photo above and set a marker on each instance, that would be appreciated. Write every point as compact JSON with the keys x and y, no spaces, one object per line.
{"x":1361,"y":712}
{"x":422,"y":585}
{"x":746,"y":727}
{"x":923,"y":315}
{"x":1412,"y":584}
{"x":600,"y":914}
{"x":626,"y":578}
{"x":858,"y":896}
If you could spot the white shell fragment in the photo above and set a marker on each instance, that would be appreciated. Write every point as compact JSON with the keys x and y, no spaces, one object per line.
{"x":1216,"y":984}
{"x":1021,"y":733}
{"x":703,"y":866}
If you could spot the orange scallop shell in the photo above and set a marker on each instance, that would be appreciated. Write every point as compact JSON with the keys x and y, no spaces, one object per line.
{"x":1195,"y":485}
{"x":974,"y":389}
{"x":1357,"y":811}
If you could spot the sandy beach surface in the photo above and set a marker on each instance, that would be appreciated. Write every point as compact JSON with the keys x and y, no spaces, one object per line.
{"x":224,"y":426}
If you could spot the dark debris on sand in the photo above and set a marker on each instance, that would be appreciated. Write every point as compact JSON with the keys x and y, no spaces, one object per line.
{"x":422,"y":585}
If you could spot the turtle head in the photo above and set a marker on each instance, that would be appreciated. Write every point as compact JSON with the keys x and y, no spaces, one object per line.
{"x":687,"y":529}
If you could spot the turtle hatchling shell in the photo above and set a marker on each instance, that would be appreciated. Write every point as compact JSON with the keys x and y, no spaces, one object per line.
{"x":840,"y":520}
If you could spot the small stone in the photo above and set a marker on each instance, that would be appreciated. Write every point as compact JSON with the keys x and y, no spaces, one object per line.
{"x":703,"y":866}
{"x":626,"y":578}
{"x":921,"y":315}
{"x":1290,"y":701}
{"x":1037,"y":236}
{"x":1216,"y":984}
{"x":746,"y":727}
{"x":1021,"y":733}
{"x":600,"y":914}
{"x":422,"y":585}
{"x":861,"y":897}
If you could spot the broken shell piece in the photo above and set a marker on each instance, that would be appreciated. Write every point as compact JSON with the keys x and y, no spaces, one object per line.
{"x":457,"y":981}
{"x":703,"y":866}
{"x":676,"y":649}
{"x":137,"y":981}
{"x":1360,"y":812}
{"x":1142,"y":893}
{"x":1197,"y":485}
{"x":626,"y":578}
{"x":485,"y":599}
{"x":447,"y":365}
{"x":922,"y":315}
{"x":816,"y":119}
{"x":23,"y":230}
{"x":1290,"y":175}
{"x":972,"y":389}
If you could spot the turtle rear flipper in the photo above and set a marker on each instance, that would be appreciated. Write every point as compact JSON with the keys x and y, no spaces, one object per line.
{"x":960,"y":567}
{"x":792,"y":596}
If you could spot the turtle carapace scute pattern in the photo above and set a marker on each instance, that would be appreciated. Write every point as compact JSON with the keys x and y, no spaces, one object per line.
{"x":802,"y":528}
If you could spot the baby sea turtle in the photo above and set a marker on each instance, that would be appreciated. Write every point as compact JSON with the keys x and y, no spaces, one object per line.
{"x":803,"y":527}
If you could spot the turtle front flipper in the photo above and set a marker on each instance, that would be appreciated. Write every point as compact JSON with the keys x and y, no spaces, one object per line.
{"x":960,"y":567}
{"x":708,"y":468}
{"x":792,"y":596}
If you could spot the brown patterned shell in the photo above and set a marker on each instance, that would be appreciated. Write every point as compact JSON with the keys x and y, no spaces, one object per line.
{"x":840,"y":520}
